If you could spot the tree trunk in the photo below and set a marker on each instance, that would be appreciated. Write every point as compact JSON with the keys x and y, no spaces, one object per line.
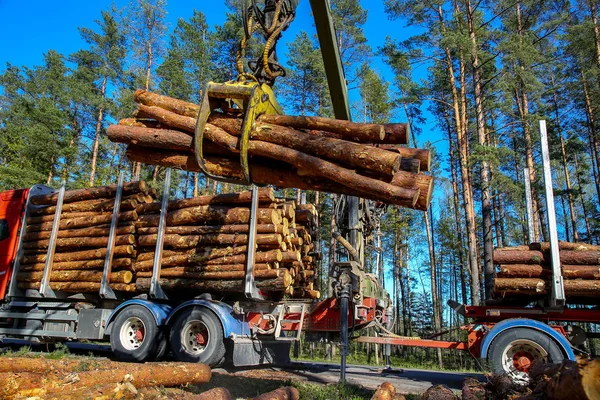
{"x":96,"y":144}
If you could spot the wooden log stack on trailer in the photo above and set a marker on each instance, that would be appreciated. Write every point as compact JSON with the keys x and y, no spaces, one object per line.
{"x":206,"y":245}
{"x":527,"y":271}
{"x":311,"y":153}
{"x":80,"y":247}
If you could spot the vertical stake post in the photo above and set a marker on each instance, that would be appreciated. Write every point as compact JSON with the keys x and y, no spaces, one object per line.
{"x":45,"y":289}
{"x":250,"y":289}
{"x":529,"y":206}
{"x":156,"y":291}
{"x":105,"y":290}
{"x":558,"y":290}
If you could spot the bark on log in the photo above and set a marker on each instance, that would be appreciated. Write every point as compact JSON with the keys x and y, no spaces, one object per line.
{"x":545,"y":246}
{"x":539,"y":271}
{"x":422,"y":182}
{"x":77,"y":287}
{"x":207,"y":268}
{"x":118,"y":263}
{"x":118,"y":251}
{"x":193,"y":256}
{"x":272,"y":256}
{"x":571,"y":257}
{"x":69,"y":215}
{"x":88,"y":194}
{"x":218,"y":393}
{"x":473,"y":389}
{"x":283,"y":393}
{"x":78,"y":233}
{"x":211,"y":214}
{"x":139,"y":375}
{"x":190,"y":241}
{"x":277,"y":174}
{"x":409,"y":153}
{"x":75,"y":276}
{"x":317,"y":167}
{"x":189,"y":273}
{"x":385,"y":391}
{"x":79,"y":242}
{"x":235,"y":286}
{"x":577,"y":287}
{"x":352,"y":131}
{"x":99,"y":205}
{"x":82,"y":222}
{"x":439,"y":392}
{"x":43,"y":365}
{"x":358,"y":155}
{"x":575,"y":380}
{"x":203,"y":230}
{"x":265,"y":195}
{"x":168,"y":103}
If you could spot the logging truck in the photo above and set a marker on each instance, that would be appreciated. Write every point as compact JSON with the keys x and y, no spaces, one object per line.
{"x":40,"y":303}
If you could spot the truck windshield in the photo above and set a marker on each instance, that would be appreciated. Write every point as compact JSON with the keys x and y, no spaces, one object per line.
{"x":3,"y":229}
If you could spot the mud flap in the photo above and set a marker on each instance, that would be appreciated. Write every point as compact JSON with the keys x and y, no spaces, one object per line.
{"x":247,"y":352}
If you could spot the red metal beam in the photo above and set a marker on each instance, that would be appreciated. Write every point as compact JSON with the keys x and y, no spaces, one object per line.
{"x":414,"y":342}
{"x":495,"y":314}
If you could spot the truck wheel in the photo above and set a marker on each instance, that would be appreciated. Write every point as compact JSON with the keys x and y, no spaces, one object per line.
{"x":513,"y":352}
{"x":197,"y":336}
{"x":134,"y":335}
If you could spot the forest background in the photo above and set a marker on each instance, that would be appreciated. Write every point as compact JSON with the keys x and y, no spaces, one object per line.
{"x":471,"y":78}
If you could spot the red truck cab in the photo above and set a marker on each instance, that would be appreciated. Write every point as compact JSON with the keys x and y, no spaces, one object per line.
{"x":12,"y":208}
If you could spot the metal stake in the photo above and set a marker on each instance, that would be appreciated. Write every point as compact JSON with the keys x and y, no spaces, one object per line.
{"x":529,"y":204}
{"x":105,"y":290}
{"x":344,"y":300}
{"x":156,"y":291}
{"x":250,"y":289}
{"x":45,"y":289}
{"x":558,"y":289}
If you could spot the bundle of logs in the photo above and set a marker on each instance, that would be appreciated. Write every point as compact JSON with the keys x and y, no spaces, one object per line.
{"x":310,"y":153}
{"x":526,"y":270}
{"x":82,"y":238}
{"x":206,"y":239}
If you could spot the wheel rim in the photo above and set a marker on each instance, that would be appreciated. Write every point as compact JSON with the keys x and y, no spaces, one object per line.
{"x":195,"y":337}
{"x":133,"y":333}
{"x":519,"y":356}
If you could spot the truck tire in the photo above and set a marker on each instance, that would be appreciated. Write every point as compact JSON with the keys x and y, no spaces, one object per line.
{"x":134,"y":336}
{"x":197,"y":336}
{"x":515,"y":350}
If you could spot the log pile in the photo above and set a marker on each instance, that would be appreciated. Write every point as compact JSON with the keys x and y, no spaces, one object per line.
{"x":82,"y":238}
{"x":206,"y":245}
{"x":526,"y":270}
{"x":311,"y":153}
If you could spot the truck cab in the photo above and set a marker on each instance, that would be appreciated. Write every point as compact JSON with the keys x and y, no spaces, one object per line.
{"x":12,"y":208}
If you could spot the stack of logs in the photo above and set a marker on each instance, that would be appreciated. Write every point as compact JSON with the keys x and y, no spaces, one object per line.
{"x":311,"y":153}
{"x":206,"y":245}
{"x":526,"y":270}
{"x":82,"y":238}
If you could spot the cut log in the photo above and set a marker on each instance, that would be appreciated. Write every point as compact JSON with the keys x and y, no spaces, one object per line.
{"x":272,"y":256}
{"x":189,"y":241}
{"x":86,"y":206}
{"x":317,"y":167}
{"x":385,"y":391}
{"x":77,"y":287}
{"x":202,"y":230}
{"x":139,"y":375}
{"x":409,"y":153}
{"x":118,"y":251}
{"x":545,"y":246}
{"x":117,"y":263}
{"x":352,"y":131}
{"x":439,"y":392}
{"x":362,"y":156}
{"x":79,"y":242}
{"x":277,"y":174}
{"x":75,"y":276}
{"x":201,"y":268}
{"x":570,"y":379}
{"x":78,"y":233}
{"x":283,"y":393}
{"x":189,"y":273}
{"x":265,"y":195}
{"x":422,"y":182}
{"x":574,"y":287}
{"x":211,"y":214}
{"x":235,"y":286}
{"x":168,"y":103}
{"x":82,"y":222}
{"x":193,"y":256}
{"x":473,"y":389}
{"x":42,"y":365}
{"x":571,"y":257}
{"x":219,"y":393}
{"x":539,"y":271}
{"x":88,"y":194}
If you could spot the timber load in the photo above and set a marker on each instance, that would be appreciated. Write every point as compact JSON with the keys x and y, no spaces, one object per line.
{"x":309,"y":153}
{"x":80,"y":248}
{"x":527,"y":270}
{"x":205,"y":246}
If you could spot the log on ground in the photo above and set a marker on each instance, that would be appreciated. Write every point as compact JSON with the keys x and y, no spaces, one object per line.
{"x":283,"y":393}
